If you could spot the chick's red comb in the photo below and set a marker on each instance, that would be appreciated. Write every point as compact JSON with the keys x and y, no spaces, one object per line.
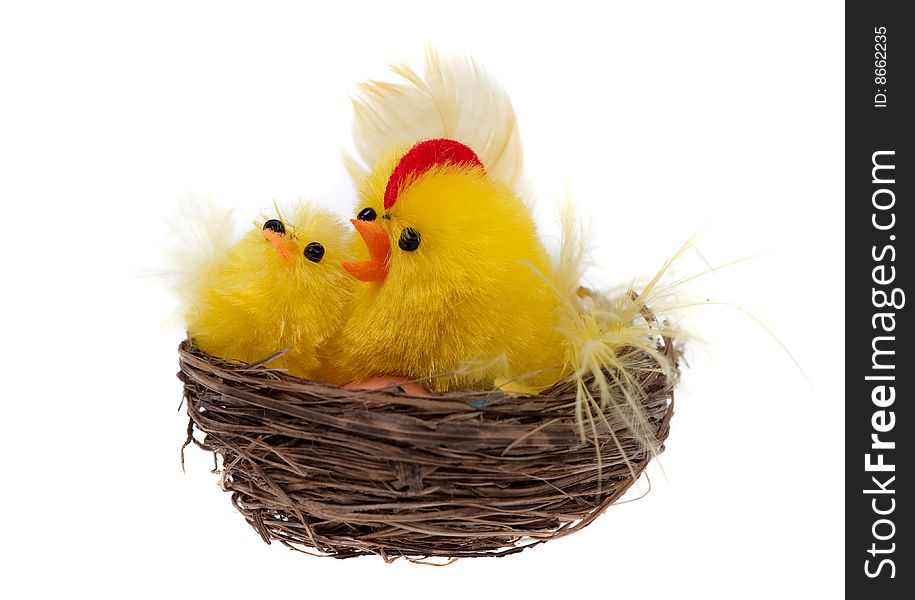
{"x":422,"y":157}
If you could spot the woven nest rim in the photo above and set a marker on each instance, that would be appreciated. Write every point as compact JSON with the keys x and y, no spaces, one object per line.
{"x":342,"y":472}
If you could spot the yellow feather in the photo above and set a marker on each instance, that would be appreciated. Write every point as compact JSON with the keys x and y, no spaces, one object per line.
{"x":611,"y":339}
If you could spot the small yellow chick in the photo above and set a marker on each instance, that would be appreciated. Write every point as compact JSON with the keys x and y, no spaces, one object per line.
{"x":457,"y":280}
{"x":280,"y":286}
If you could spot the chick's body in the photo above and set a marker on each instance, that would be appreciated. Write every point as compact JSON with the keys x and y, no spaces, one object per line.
{"x":280,"y":286}
{"x":471,"y":300}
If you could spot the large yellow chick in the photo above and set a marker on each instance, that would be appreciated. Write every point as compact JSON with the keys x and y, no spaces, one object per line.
{"x":456,"y":284}
{"x":280,"y":286}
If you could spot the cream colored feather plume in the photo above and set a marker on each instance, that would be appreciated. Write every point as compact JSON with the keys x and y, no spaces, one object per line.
{"x":575,"y":246}
{"x":453,"y":98}
{"x":201,"y":236}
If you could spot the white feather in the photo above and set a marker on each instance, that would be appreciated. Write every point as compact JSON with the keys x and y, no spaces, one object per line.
{"x":574,"y":256}
{"x":454,"y":98}
{"x":201,"y":236}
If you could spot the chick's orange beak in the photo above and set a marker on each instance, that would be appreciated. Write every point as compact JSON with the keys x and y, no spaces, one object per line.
{"x":379,"y":246}
{"x":279,"y":242}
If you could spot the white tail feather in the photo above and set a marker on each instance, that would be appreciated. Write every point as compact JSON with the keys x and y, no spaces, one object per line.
{"x":202,"y":234}
{"x":454,"y":98}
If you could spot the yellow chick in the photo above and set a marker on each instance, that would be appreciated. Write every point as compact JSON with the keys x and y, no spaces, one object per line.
{"x":456,"y":284}
{"x":280,"y":286}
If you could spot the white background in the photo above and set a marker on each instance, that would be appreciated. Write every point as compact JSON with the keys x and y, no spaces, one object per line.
{"x":660,"y":118}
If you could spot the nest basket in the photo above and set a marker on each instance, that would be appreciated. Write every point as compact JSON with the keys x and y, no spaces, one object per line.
{"x":341,"y":472}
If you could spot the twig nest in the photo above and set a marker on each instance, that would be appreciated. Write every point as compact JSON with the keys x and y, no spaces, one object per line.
{"x":348,"y":472}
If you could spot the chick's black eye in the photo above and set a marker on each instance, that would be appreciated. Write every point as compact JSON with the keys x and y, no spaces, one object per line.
{"x":367,"y":214}
{"x":409,"y":239}
{"x":275,"y":225}
{"x":314,"y":252}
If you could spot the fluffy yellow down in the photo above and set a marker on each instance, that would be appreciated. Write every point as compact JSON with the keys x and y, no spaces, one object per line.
{"x":471,"y":303}
{"x":256,"y":301}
